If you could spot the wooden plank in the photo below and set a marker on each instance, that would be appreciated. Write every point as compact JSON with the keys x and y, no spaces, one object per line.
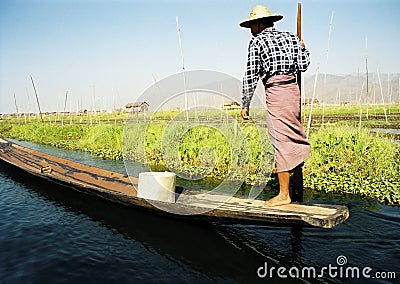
{"x":68,"y":171}
{"x":122,"y":189}
{"x":320,"y":215}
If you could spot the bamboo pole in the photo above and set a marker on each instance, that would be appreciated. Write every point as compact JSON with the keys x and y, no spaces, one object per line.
{"x":383,"y":101}
{"x":366,"y":71}
{"x":37,"y":101}
{"x":183,"y":69}
{"x":93,"y":106}
{"x":70,"y":115}
{"x":391,"y":97}
{"x":312,"y":102}
{"x":360,"y":104}
{"x":65,"y":106}
{"x":16,"y":106}
{"x":114,"y":109}
{"x":28,"y":107}
{"x":388,"y":93}
{"x":158,"y":87}
{"x":374,"y":92}
{"x":327,"y":57}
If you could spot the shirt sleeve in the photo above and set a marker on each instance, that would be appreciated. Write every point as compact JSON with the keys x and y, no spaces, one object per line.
{"x":251,"y":75}
{"x":303,"y":57}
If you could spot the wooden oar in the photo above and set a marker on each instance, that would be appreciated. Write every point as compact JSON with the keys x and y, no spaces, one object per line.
{"x":297,"y":187}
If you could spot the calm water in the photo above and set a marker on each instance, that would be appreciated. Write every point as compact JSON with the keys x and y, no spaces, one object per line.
{"x":386,"y":131}
{"x":50,"y":234}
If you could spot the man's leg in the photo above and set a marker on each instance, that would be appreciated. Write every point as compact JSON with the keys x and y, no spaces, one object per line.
{"x":284,"y":195}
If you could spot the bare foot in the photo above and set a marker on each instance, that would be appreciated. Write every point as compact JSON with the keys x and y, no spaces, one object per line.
{"x":278,"y":200}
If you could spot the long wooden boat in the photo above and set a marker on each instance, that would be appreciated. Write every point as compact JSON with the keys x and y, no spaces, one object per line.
{"x":122,"y":189}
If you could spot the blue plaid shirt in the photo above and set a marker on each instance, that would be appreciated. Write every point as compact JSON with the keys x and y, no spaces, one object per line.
{"x":270,"y":53}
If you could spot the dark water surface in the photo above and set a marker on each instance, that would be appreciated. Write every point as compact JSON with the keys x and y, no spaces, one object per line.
{"x":50,"y":234}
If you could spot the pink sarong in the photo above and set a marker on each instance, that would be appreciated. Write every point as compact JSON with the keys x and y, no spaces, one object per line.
{"x":287,"y":135}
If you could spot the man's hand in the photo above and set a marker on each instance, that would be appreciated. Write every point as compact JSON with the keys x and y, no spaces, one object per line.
{"x":302,"y":43}
{"x":245,"y":114}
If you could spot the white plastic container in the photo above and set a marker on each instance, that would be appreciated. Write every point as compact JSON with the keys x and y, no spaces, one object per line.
{"x":157,"y":186}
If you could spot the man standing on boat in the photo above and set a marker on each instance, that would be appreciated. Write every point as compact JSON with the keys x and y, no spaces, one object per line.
{"x":275,"y":57}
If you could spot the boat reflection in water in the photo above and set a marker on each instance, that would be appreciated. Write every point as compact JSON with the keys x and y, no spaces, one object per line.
{"x":219,"y":251}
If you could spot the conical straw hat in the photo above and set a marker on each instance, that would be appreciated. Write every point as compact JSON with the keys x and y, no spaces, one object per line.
{"x":260,"y":12}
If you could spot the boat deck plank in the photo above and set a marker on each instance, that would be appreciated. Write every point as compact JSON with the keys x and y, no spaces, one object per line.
{"x":69,"y":171}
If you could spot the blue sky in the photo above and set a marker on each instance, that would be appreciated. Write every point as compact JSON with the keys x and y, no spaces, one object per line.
{"x":109,"y":52}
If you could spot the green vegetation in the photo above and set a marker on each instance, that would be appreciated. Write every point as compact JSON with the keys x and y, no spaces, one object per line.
{"x":201,"y":150}
{"x":353,"y":160}
{"x":345,"y":158}
{"x":103,"y":141}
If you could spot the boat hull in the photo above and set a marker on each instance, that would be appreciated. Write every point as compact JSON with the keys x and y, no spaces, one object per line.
{"x":122,"y":189}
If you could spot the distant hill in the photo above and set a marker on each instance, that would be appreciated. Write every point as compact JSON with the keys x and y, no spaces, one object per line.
{"x":335,"y":89}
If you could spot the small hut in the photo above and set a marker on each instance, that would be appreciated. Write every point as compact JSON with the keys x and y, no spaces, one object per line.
{"x":136,"y":107}
{"x":231,"y":105}
{"x":308,"y":101}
